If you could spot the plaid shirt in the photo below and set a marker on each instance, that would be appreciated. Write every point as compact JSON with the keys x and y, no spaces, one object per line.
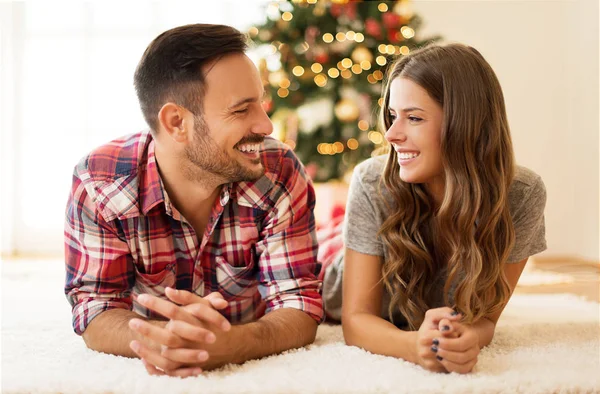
{"x":123,"y":237}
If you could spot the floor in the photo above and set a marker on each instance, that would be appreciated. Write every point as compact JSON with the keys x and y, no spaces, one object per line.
{"x":586,"y":277}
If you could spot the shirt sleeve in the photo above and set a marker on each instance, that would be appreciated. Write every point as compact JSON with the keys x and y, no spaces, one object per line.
{"x":288,"y":249}
{"x":99,"y":267}
{"x":362,"y":222}
{"x":529,"y":223}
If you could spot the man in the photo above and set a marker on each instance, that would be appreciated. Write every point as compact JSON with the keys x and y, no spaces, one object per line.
{"x":204,"y":220}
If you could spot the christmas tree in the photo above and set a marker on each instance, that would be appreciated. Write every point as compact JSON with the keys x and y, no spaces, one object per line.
{"x":322,"y":63}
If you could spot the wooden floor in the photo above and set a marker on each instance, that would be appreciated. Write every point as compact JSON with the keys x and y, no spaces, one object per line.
{"x":585,"y":274}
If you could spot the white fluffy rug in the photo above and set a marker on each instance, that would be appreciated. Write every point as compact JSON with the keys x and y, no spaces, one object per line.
{"x":543,"y":344}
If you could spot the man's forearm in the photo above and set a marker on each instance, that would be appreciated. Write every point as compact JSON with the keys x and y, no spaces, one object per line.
{"x":277,"y":331}
{"x":109,"y":332}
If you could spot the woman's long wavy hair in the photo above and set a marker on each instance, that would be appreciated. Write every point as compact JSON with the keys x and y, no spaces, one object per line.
{"x":471,"y":232}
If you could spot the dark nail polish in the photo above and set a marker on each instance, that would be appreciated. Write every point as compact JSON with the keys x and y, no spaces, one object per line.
{"x":434,"y":349}
{"x":439,"y":358}
{"x":436,"y":342}
{"x":445,"y":328}
{"x":454,"y":313}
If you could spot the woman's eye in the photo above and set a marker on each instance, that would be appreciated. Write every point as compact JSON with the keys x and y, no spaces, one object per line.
{"x":414,"y":119}
{"x":392,"y":117}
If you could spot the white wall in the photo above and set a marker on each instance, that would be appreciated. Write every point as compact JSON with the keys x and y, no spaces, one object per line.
{"x":545,"y":54}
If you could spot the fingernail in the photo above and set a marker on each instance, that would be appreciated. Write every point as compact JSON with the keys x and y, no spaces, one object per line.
{"x":434,"y":349}
{"x":436,"y":342}
{"x":197,"y":371}
{"x":142,"y":298}
{"x":445,"y":328}
{"x":135,"y":346}
{"x":202,"y":356}
{"x":439,"y":358}
{"x":133,"y":323}
{"x":226,"y":326}
{"x":210,"y":337}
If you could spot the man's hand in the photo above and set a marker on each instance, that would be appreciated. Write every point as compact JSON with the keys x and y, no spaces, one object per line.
{"x":184,"y":340}
{"x":459,"y":348}
{"x":430,"y":335}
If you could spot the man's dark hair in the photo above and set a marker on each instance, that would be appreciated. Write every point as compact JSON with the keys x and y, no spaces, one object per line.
{"x":170,"y":69}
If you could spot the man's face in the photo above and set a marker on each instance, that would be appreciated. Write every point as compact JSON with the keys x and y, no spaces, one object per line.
{"x":228,"y":136}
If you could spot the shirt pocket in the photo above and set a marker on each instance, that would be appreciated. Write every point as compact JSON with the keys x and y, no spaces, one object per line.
{"x":155,"y":283}
{"x":236,"y":282}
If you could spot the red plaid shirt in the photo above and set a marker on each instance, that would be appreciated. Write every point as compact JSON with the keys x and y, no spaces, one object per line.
{"x":124,"y":238}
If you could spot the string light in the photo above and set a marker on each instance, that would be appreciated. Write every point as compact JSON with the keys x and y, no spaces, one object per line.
{"x":371,"y":79}
{"x":298,"y":71}
{"x":380,"y":102}
{"x":404,"y":50}
{"x":346,"y":74}
{"x":363,"y":125}
{"x":316,"y":68}
{"x":350,"y":35}
{"x":287,"y":16}
{"x":382,"y":7}
{"x":347,"y":62}
{"x":339,"y":147}
{"x":378,"y":75}
{"x":381,"y":60}
{"x":407,"y":32}
{"x":390,"y":49}
{"x":352,"y":144}
{"x":341,"y":37}
{"x":328,"y":38}
{"x":285,"y":83}
{"x":357,"y":69}
{"x":291,"y":144}
{"x":382,"y":48}
{"x":333,"y":73}
{"x":311,"y":1}
{"x":272,"y":49}
{"x":375,"y":137}
{"x":365,"y":64}
{"x":320,"y":80}
{"x":340,"y":66}
{"x":359,"y":37}
{"x":283,"y":92}
{"x":253,"y":31}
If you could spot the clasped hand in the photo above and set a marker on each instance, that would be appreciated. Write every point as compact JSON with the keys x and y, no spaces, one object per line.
{"x":187,"y":343}
{"x":444,"y":344}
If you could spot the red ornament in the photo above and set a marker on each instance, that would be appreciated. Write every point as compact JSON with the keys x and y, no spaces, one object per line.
{"x":322,"y":58}
{"x":348,"y":9}
{"x":268,"y":105}
{"x":391,"y":20}
{"x":393,"y":36}
{"x":373,"y":28}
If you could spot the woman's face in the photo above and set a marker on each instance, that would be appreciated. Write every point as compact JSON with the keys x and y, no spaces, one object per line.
{"x":415,"y":134}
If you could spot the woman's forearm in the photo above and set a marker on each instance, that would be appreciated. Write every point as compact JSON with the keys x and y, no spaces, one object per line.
{"x":485,"y":329}
{"x":379,"y":336}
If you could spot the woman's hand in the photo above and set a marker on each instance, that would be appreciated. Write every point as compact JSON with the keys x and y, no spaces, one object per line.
{"x":458,"y":348}
{"x":430,"y":336}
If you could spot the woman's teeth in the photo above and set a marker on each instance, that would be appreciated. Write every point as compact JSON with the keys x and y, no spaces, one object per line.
{"x":407,"y":155}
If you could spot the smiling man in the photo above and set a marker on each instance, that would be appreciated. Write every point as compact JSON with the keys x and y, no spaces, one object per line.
{"x":192,"y":245}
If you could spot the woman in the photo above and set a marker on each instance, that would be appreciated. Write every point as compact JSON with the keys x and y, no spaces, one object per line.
{"x":436,"y":235}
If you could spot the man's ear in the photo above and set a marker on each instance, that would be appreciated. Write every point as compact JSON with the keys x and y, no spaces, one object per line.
{"x":172,"y":120}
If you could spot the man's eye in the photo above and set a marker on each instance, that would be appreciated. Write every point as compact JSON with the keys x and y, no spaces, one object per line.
{"x":241,"y":111}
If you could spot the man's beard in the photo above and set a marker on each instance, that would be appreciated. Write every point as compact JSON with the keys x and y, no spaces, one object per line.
{"x":206,"y":155}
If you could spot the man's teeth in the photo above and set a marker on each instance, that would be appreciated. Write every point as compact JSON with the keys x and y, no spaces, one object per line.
{"x":249,"y":148}
{"x":406,"y":155}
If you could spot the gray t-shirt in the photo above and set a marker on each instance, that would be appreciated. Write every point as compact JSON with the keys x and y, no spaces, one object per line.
{"x":366,"y":210}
